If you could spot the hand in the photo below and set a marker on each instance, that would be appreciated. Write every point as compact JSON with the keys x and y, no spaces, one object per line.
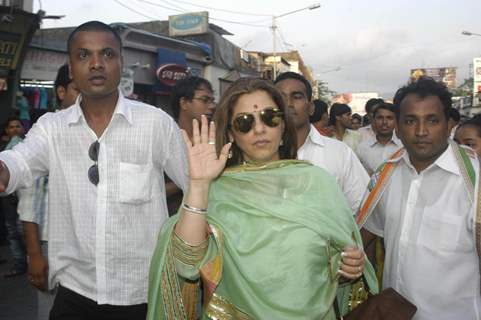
{"x":352,"y":263}
{"x":37,"y":273}
{"x":204,"y":165}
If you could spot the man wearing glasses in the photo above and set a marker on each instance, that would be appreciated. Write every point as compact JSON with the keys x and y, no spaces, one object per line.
{"x":331,"y":155}
{"x":192,"y":97}
{"x":105,"y":157}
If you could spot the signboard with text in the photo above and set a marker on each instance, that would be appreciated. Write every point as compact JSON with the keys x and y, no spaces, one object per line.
{"x":9,"y":49}
{"x":170,"y":73}
{"x":188,"y":24}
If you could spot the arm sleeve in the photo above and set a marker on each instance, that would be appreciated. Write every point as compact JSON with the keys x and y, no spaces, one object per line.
{"x":354,"y":181}
{"x":173,"y":159}
{"x":189,"y":259}
{"x":28,"y":160}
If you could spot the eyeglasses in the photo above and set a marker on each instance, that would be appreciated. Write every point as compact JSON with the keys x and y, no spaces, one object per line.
{"x":93,"y":172}
{"x":205,"y":99}
{"x":244,"y":122}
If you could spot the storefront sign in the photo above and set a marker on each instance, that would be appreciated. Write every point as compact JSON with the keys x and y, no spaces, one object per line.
{"x":188,"y":24}
{"x":9,"y":49}
{"x":170,"y":73}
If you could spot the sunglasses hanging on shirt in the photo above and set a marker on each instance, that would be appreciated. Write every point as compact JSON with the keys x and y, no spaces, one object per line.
{"x":93,"y":172}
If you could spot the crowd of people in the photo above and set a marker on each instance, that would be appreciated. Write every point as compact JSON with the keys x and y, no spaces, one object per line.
{"x":266,"y":205}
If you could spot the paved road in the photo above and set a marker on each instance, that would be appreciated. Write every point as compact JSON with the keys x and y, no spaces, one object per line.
{"x":17,"y":298}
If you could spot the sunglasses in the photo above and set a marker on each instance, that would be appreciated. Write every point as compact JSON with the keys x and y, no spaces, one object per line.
{"x":93,"y":172}
{"x":244,"y":122}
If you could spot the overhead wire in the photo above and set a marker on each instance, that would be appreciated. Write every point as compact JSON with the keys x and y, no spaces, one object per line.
{"x":210,"y":17}
{"x":135,"y":11}
{"x":225,"y":10}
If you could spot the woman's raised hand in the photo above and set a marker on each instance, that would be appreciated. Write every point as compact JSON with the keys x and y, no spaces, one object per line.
{"x":204,"y":164}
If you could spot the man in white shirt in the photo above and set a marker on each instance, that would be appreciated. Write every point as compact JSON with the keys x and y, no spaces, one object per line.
{"x":425,"y":210}
{"x":340,"y":119}
{"x":105,"y":157}
{"x":374,"y":151}
{"x":367,"y":132}
{"x":329,"y":154}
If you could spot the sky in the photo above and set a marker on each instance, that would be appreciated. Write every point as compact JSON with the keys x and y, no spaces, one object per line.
{"x":353,"y":45}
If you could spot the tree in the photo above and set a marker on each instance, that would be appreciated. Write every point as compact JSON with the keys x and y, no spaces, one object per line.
{"x":323,"y":91}
{"x":465,"y":89}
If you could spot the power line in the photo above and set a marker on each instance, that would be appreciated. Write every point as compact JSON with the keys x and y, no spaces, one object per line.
{"x":225,"y":10}
{"x":169,"y":3}
{"x":210,"y":17}
{"x":135,"y":11}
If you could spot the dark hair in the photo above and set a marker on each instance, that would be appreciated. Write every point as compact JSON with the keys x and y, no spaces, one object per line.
{"x":320,"y":107}
{"x":11,"y":119}
{"x":337,"y":109}
{"x":454,"y":114}
{"x":93,"y":26}
{"x":386,"y":106}
{"x":358,"y":117}
{"x":372,"y":103}
{"x":296,"y":76}
{"x":62,"y":80}
{"x":224,"y":112}
{"x":424,"y":87}
{"x":185,"y":88}
{"x":471,"y":122}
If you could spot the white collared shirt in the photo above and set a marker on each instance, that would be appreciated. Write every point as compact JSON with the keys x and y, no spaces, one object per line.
{"x":426,"y":220}
{"x":340,"y":161}
{"x":366,"y":133}
{"x":101,"y":238}
{"x":372,"y":153}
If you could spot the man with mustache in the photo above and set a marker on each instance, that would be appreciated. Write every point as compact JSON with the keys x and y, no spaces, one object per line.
{"x":422,"y":202}
{"x":374,"y":151}
{"x":105,"y":157}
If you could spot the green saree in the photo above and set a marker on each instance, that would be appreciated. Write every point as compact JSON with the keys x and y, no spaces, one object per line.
{"x":277,"y":235}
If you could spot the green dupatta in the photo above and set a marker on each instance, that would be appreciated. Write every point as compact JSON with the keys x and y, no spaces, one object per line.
{"x":278,"y":231}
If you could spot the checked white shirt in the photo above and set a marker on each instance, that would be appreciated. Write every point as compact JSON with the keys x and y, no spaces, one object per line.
{"x":101,"y":238}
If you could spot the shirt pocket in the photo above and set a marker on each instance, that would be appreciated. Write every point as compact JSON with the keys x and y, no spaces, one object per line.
{"x":135,"y":183}
{"x":441,"y":232}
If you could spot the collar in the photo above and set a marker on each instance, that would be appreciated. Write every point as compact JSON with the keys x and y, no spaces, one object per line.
{"x":121,"y":108}
{"x":316,"y":137}
{"x":446,"y":161}
{"x":373,"y":140}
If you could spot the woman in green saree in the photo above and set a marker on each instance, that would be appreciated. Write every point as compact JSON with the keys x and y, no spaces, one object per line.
{"x":269,"y":236}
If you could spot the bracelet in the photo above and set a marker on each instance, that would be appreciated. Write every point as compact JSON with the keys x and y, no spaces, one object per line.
{"x":186,"y":207}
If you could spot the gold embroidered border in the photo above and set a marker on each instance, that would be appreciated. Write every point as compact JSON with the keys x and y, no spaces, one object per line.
{"x":221,"y":309}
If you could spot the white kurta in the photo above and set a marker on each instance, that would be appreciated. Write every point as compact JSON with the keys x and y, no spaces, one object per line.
{"x":426,"y":220}
{"x":338,"y":160}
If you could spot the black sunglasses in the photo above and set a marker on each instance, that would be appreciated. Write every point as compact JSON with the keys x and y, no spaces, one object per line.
{"x":244,"y":122}
{"x":93,"y":172}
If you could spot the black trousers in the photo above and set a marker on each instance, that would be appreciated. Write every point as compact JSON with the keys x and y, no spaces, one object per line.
{"x":69,"y":305}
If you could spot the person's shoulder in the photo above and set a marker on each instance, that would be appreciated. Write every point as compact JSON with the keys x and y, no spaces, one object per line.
{"x":318,"y":172}
{"x":149,"y":111}
{"x":472,"y":156}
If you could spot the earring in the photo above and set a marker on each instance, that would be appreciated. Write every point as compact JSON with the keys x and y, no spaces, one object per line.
{"x":281,"y":143}
{"x":229,"y":155}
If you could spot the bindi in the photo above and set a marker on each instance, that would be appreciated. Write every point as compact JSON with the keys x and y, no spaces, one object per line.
{"x":256,"y":106}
